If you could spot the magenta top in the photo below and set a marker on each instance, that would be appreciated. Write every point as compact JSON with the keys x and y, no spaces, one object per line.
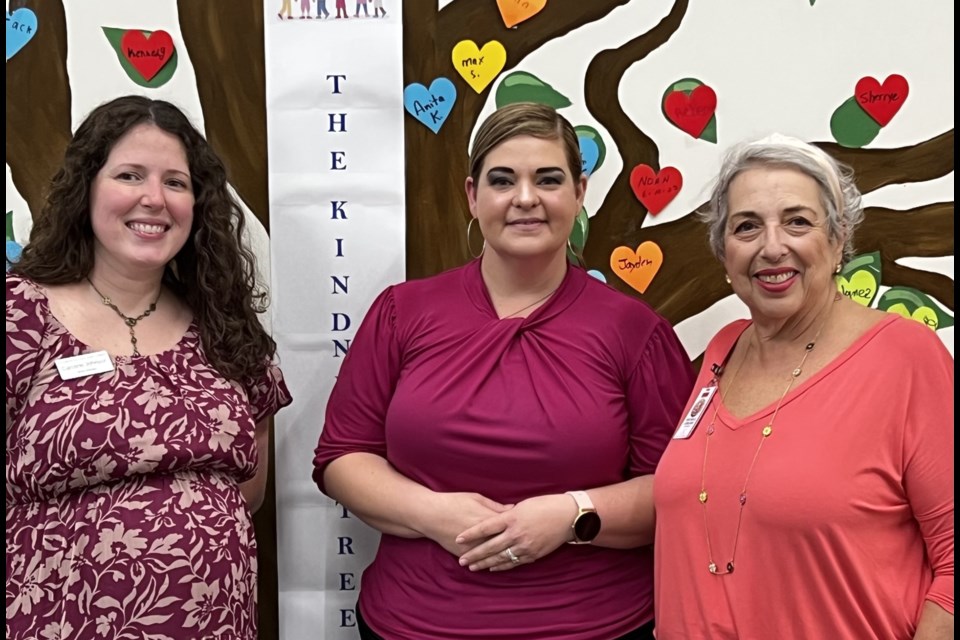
{"x":848,"y":528}
{"x":584,"y":392}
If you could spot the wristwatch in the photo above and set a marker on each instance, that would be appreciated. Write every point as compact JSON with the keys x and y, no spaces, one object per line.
{"x":586,"y":525}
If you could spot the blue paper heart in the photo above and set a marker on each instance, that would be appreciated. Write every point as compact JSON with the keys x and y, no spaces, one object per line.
{"x":430,"y":106}
{"x":590,"y":153}
{"x":13,"y":252}
{"x":21,"y":26}
{"x":596,"y":274}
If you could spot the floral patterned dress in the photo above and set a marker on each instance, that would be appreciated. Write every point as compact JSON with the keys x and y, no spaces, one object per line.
{"x":124,"y":512}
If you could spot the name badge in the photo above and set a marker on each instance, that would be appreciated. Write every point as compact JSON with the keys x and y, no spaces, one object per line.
{"x":692,"y":419}
{"x":86,"y":364}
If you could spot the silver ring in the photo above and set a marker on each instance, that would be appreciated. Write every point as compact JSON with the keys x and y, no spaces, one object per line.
{"x":512,"y":556}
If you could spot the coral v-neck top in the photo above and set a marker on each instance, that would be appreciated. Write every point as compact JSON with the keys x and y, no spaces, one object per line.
{"x":848,"y":528}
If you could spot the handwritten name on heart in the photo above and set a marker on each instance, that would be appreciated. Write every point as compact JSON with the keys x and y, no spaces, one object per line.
{"x":147,"y":53}
{"x":589,"y":154}
{"x":861,"y":287}
{"x":691,"y":112}
{"x":882,"y":101}
{"x":655,"y":190}
{"x":430,"y":106}
{"x":516,"y":11}
{"x":21,"y":27}
{"x":479,"y":66}
{"x":637,"y":268}
{"x":923,"y":315}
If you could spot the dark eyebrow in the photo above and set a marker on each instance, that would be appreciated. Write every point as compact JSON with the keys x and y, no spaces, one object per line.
{"x":126,"y":166}
{"x":539,"y":171}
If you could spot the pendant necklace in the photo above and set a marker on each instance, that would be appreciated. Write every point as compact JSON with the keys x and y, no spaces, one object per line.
{"x":131,"y":322}
{"x":765,"y":433}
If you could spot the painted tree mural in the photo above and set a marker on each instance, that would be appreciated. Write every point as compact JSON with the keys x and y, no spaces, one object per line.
{"x":225,"y":45}
{"x":226,"y":50}
{"x":691,"y":280}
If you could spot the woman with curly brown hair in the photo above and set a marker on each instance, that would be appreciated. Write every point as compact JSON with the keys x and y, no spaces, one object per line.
{"x":139,"y":387}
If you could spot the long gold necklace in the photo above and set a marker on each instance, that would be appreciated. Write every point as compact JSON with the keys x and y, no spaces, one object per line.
{"x":129,"y":321}
{"x":765,"y":433}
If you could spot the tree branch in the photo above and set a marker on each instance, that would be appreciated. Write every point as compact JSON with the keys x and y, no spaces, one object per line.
{"x":38,"y":104}
{"x":484,"y":23}
{"x":227,"y":53}
{"x":875,"y":168}
{"x":922,"y":232}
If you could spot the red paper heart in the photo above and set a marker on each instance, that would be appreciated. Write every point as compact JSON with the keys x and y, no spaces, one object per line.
{"x":147,"y":54}
{"x":881,"y":102}
{"x":655,"y":190}
{"x":691,"y":112}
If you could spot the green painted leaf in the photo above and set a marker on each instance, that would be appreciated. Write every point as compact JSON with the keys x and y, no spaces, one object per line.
{"x":916,"y":305}
{"x":521,"y":86}
{"x":864,"y":261}
{"x":584,"y":131}
{"x":860,"y":278}
{"x":163,"y":76}
{"x":10,"y":226}
{"x":709,"y":132}
{"x":851,"y":126}
{"x":686,"y":84}
{"x":578,"y":237}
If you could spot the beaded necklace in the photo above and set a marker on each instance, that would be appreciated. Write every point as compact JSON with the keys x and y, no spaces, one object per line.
{"x":131,"y":322}
{"x":765,"y":433}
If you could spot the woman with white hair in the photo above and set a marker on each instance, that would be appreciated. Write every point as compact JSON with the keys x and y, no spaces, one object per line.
{"x":812,"y":497}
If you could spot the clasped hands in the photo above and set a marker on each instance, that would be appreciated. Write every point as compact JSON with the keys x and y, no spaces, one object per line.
{"x":479,"y":531}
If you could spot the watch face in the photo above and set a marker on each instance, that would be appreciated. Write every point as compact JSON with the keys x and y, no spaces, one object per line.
{"x":587,"y":526}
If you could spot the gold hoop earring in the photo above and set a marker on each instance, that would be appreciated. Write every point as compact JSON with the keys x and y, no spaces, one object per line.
{"x":726,"y":277}
{"x":470,"y":250}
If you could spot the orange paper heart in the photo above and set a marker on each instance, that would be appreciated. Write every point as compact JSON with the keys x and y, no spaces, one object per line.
{"x":637,"y":268}
{"x":516,"y":11}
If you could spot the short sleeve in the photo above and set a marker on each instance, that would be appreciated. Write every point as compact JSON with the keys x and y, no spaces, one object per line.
{"x":24,"y":336}
{"x":268,"y":394}
{"x":657,"y":391}
{"x":357,"y":408}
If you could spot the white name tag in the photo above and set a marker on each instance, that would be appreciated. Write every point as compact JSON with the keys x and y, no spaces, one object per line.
{"x":692,"y":419}
{"x":84,"y":365}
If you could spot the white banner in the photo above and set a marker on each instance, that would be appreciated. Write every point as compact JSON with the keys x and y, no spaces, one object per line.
{"x":334,"y":91}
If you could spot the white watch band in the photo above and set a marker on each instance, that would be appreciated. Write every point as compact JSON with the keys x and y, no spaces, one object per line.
{"x":584,"y":503}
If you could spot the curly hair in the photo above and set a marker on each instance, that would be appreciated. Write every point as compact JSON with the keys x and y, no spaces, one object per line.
{"x":214,"y":272}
